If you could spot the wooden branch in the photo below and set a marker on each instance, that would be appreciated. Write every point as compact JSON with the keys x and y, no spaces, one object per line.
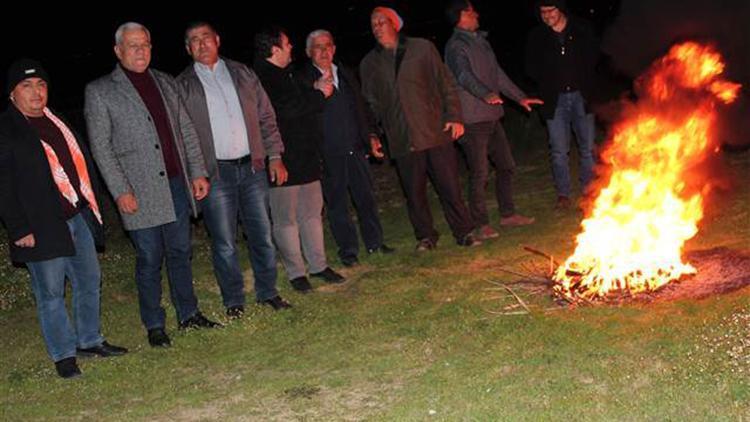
{"x":520,"y":301}
{"x":540,"y":253}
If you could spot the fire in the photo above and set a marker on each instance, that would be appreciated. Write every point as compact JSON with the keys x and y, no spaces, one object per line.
{"x":633,"y":235}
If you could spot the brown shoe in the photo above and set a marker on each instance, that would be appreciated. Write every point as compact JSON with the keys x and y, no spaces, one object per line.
{"x":485,"y":232}
{"x":563,"y":203}
{"x":516,"y":220}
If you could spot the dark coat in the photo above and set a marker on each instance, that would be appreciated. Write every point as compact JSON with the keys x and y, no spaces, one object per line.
{"x":412,"y":94}
{"x":29,"y":197}
{"x":296,"y":109}
{"x":365,"y":120}
{"x":543,"y":57}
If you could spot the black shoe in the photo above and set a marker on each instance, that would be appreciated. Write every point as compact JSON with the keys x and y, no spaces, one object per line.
{"x":301,"y":284}
{"x":157,"y":337}
{"x":199,"y":321}
{"x":384,"y":249}
{"x":277,"y":303}
{"x":67,"y":368}
{"x":329,"y":276}
{"x":104,"y":350}
{"x":350,"y":261}
{"x":236,"y":312}
{"x":425,"y":245}
{"x":469,"y":240}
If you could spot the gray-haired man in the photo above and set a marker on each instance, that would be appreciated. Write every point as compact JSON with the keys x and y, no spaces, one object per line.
{"x":147,"y":151}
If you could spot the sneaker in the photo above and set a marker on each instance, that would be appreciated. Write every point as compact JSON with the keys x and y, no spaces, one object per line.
{"x":486,"y":232}
{"x":67,"y":368}
{"x":425,"y":245}
{"x":157,"y":337}
{"x":384,"y":249}
{"x":563,"y":202}
{"x":199,"y":321}
{"x":516,"y":220}
{"x":277,"y":303}
{"x":329,"y":276}
{"x":235,"y":312}
{"x":301,"y":284}
{"x":469,"y":241}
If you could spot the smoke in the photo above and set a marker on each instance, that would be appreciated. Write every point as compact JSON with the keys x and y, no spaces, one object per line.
{"x":645,"y":29}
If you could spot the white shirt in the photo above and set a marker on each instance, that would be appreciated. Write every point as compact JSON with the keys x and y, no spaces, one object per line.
{"x":334,"y":73}
{"x":224,"y":111}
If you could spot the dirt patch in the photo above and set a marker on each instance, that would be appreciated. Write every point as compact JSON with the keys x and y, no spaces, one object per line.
{"x":720,"y":271}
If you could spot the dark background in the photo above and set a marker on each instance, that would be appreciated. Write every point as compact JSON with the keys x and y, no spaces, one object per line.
{"x":75,"y":43}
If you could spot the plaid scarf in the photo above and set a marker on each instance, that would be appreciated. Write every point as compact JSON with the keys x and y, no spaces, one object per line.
{"x":58,"y":173}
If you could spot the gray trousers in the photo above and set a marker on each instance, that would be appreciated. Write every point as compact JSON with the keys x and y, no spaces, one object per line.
{"x":296,"y":212}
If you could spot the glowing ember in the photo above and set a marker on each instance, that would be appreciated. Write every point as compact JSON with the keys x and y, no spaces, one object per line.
{"x":633,"y":235}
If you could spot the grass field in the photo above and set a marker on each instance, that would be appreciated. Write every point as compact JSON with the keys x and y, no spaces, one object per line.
{"x":408,"y":337}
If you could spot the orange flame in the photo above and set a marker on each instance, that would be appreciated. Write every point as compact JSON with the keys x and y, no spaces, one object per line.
{"x":633,"y":236}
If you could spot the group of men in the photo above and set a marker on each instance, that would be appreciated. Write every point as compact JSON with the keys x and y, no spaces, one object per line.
{"x":265,"y":148}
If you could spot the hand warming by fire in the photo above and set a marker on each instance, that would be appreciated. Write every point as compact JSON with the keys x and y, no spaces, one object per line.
{"x":646,"y":207}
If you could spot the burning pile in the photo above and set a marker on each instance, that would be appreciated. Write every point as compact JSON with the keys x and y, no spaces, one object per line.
{"x":650,"y":202}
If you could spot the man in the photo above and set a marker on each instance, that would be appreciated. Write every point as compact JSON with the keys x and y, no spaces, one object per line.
{"x":347,"y":137}
{"x":48,"y":206}
{"x":415,"y":99}
{"x":480,"y":81}
{"x":561,"y":56}
{"x":149,"y":155}
{"x":237,"y":129}
{"x":297,"y":205}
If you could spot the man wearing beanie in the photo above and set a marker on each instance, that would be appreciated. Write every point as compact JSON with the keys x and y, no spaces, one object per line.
{"x":561,"y":55}
{"x":149,"y":155}
{"x":415,"y":100}
{"x":49,"y":207}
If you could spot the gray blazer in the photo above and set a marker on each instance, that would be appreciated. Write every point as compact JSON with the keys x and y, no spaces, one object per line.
{"x":124,"y":143}
{"x":260,"y":119}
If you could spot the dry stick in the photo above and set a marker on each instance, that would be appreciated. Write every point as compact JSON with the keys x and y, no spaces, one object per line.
{"x":526,"y":276}
{"x":520,"y":301}
{"x":507,"y":313}
{"x":540,"y":253}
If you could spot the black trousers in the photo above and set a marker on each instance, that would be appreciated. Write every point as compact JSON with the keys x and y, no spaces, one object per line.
{"x":440,"y":165}
{"x":344,"y":176}
{"x":482,"y":141}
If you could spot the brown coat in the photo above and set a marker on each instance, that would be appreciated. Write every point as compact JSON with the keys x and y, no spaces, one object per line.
{"x":411,"y":103}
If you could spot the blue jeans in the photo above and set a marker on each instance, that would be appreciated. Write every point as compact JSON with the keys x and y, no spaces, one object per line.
{"x":571,"y":112}
{"x":152,"y":245}
{"x":48,"y":283}
{"x":240,"y":190}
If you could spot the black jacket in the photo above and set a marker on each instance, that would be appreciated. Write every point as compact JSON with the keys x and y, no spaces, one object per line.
{"x":29,"y":197}
{"x":365,"y":120}
{"x":544,"y":59}
{"x":297,"y":108}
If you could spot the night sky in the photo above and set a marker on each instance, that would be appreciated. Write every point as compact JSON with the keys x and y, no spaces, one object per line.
{"x":76,"y":44}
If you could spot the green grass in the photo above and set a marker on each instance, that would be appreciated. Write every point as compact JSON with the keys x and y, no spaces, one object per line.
{"x":409,"y":337}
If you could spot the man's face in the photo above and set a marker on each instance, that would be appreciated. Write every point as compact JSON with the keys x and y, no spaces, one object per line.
{"x":203,"y":45}
{"x":134,"y":51}
{"x":322,"y":51}
{"x":284,"y":52}
{"x":30,"y":96}
{"x":469,"y":19}
{"x":383,"y":30}
{"x":551,"y":15}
